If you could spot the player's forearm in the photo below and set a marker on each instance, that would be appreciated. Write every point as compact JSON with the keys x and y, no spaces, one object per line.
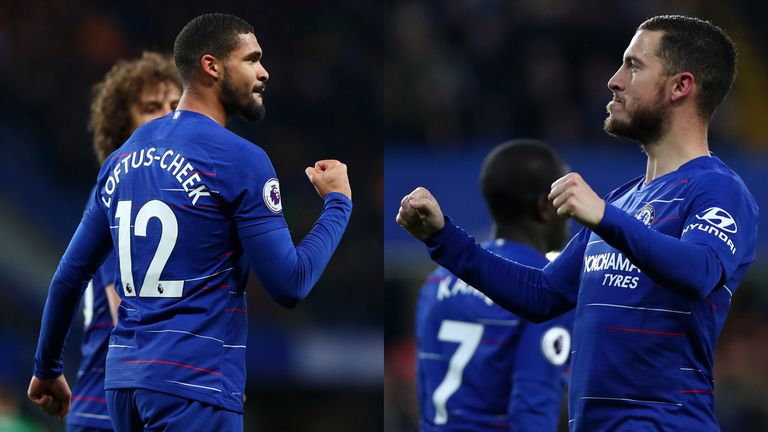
{"x":518,"y":288}
{"x":675,"y":264}
{"x":83,"y":256}
{"x":60,"y":308}
{"x":288,"y":273}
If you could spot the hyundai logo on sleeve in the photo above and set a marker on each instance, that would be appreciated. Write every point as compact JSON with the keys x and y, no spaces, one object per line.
{"x":719,"y":218}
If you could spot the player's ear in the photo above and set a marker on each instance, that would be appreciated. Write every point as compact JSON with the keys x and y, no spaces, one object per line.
{"x":682,"y":84}
{"x":211,"y":66}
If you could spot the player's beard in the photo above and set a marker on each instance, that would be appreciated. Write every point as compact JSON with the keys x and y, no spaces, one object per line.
{"x":239,"y":101}
{"x":646,"y":125}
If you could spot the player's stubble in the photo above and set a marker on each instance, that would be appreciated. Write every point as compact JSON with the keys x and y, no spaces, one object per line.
{"x":646,"y":124}
{"x":240,"y":101}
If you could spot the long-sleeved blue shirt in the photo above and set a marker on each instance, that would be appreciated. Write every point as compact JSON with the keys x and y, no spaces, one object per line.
{"x":188,"y":206}
{"x":481,"y":368}
{"x":651,"y":284}
{"x":89,"y":403}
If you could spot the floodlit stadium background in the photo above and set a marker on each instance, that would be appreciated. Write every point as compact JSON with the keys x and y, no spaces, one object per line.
{"x":318,"y":367}
{"x":463,"y":76}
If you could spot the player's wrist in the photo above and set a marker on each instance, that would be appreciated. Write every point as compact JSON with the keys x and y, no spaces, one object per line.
{"x":439,"y":224}
{"x":47,"y":375}
{"x":337,"y":195}
{"x":600,"y":212}
{"x":436,"y":237}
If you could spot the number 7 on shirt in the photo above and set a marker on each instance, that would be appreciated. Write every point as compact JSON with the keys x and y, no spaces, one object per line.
{"x":468,"y":336}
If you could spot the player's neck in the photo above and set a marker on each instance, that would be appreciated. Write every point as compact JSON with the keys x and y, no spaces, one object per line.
{"x":524,"y":233}
{"x":675,"y":148}
{"x":203,"y":102}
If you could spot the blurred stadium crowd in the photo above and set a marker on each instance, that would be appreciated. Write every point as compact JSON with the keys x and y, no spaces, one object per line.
{"x":471,"y":69}
{"x":463,"y":76}
{"x":304,"y":364}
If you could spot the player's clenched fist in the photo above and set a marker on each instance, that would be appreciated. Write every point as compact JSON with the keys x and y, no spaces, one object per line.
{"x":52,"y":395}
{"x":328,"y":176}
{"x":573,"y":197}
{"x":420,"y":214}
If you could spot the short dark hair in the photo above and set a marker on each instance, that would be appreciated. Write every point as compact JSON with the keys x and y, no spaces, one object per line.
{"x":515,"y":175}
{"x":110,"y":119}
{"x":694,"y":45}
{"x":215,"y":34}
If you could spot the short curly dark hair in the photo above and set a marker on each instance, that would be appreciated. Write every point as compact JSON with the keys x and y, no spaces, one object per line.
{"x":110,"y":119}
{"x":214,"y":33}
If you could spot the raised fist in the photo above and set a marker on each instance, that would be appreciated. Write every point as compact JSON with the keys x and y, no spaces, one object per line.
{"x":420,"y":214}
{"x":328,"y":176}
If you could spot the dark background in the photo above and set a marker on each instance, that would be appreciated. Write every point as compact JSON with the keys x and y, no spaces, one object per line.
{"x":318,"y":367}
{"x":463,"y":76}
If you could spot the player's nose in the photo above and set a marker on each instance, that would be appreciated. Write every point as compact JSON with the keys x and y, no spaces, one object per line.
{"x":615,"y":82}
{"x":262,"y":74}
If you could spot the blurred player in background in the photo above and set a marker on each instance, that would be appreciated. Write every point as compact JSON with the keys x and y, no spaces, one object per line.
{"x":652,"y":274}
{"x":131,"y":94}
{"x":188,"y":206}
{"x":480,"y":367}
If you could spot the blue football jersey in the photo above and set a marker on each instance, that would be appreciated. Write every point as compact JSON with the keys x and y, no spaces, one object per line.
{"x":178,"y":195}
{"x":188,"y":207}
{"x":652,"y":285}
{"x":482,"y":368}
{"x":89,"y":405}
{"x":644,"y":353}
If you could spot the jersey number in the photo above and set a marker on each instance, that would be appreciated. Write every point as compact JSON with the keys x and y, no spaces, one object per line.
{"x":152,"y":286}
{"x":468,"y":336}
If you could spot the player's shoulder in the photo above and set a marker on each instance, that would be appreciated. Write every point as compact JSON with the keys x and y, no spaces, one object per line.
{"x":226,"y":145}
{"x":714,"y":176}
{"x":148,"y":129}
{"x":229,"y":151}
{"x":714,"y":182}
{"x":712,"y":169}
{"x":202,"y":129}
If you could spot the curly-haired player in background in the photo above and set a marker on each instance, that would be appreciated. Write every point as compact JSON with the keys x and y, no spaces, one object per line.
{"x":132,"y":93}
{"x":188,"y":206}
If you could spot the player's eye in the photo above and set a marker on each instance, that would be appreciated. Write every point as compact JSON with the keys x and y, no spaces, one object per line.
{"x":150,"y":108}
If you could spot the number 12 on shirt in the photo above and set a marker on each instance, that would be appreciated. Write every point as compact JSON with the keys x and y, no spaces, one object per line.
{"x":152,"y":286}
{"x":468,"y":336}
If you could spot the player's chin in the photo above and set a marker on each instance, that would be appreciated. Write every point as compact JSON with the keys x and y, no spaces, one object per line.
{"x":254,"y":112}
{"x":612,"y":126}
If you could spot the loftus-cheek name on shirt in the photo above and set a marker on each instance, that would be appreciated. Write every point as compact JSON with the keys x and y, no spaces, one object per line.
{"x":170,"y":161}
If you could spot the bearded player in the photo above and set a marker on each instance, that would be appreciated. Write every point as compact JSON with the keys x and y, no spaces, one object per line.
{"x":188,"y":207}
{"x":652,"y":275}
